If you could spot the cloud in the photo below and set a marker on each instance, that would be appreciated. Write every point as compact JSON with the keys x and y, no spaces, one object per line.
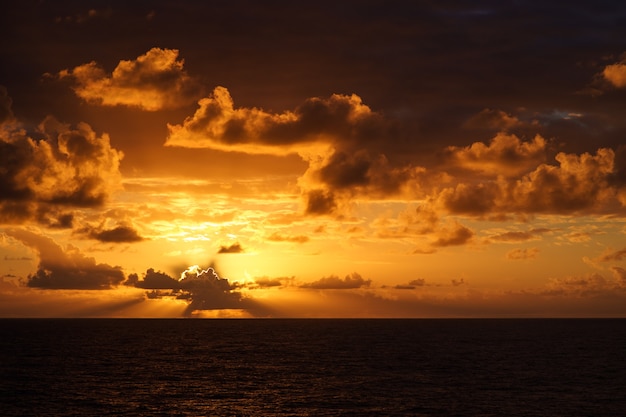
{"x":217,"y":124}
{"x":525,"y":253}
{"x":203,"y":289}
{"x":234,"y":248}
{"x":579,"y":184}
{"x":155,"y":80}
{"x":119,"y":234}
{"x":517,"y":236}
{"x":66,"y":269}
{"x":333,"y":282}
{"x":453,"y":235}
{"x":66,"y":167}
{"x":611,"y":256}
{"x":277,"y":237}
{"x":153,"y":280}
{"x":616,"y":74}
{"x":505,"y":155}
{"x":494,"y":120}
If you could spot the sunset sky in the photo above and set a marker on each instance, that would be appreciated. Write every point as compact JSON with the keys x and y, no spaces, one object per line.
{"x":318,"y":159}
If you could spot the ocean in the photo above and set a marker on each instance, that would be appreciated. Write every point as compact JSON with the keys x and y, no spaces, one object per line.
{"x":312,"y":367}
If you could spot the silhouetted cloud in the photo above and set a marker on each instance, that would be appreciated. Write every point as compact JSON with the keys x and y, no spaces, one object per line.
{"x":234,"y":248}
{"x":333,"y":282}
{"x":70,"y":269}
{"x":155,"y":80}
{"x":119,"y":234}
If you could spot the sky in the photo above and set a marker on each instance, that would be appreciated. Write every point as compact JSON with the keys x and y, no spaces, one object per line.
{"x":312,"y":159}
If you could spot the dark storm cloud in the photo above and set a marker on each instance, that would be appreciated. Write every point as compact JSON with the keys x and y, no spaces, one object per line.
{"x":333,"y":282}
{"x":66,"y":269}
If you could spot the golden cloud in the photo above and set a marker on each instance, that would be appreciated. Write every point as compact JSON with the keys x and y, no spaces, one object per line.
{"x":154,"y":81}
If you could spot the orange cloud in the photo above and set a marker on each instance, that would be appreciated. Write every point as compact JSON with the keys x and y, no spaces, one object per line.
{"x":217,"y":124}
{"x":579,"y":184}
{"x":66,"y":168}
{"x":505,"y":155}
{"x":526,"y":253}
{"x":154,"y":81}
{"x":615,"y":74}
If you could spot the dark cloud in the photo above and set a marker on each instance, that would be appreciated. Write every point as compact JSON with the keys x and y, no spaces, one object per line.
{"x":154,"y":280}
{"x":455,"y":235}
{"x":70,"y":269}
{"x":65,"y":167}
{"x":519,"y":236}
{"x":119,"y":234}
{"x":234,"y":248}
{"x":333,"y":282}
{"x":319,"y":202}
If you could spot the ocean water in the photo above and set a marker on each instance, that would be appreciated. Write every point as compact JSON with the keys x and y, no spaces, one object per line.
{"x":310,"y":367}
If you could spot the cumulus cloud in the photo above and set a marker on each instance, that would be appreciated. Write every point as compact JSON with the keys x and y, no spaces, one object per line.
{"x":66,"y":269}
{"x":579,"y":184}
{"x":506,"y":155}
{"x":339,"y":137}
{"x":64,"y":167}
{"x":454,"y":235}
{"x":203,"y":289}
{"x":155,"y":80}
{"x":217,"y":124}
{"x":333,"y":282}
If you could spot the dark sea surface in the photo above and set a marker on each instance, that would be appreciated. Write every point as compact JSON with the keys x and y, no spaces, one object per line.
{"x":310,"y":367}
